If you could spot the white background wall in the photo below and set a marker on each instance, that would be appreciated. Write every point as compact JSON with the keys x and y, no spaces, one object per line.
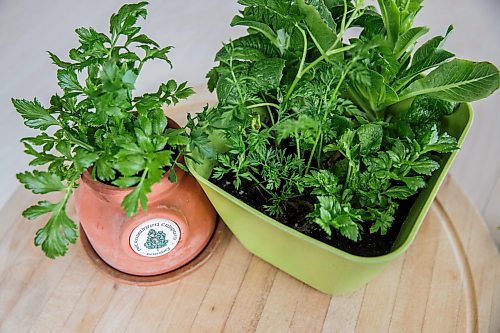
{"x":196,"y":28}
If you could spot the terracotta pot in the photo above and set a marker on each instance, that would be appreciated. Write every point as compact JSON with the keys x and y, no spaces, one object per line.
{"x":177,"y":225}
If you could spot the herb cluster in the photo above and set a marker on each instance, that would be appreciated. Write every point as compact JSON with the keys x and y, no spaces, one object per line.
{"x":97,"y":123}
{"x":312,"y":119}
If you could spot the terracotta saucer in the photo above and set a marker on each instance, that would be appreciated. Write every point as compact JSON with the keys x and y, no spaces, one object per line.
{"x":218,"y":237}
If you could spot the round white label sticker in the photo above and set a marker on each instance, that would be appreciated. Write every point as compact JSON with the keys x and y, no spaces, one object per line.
{"x":155,"y":237}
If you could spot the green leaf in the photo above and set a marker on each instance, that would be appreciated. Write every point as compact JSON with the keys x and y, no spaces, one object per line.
{"x":104,"y":169}
{"x":399,"y":192}
{"x":303,"y":127}
{"x":323,"y":183}
{"x":68,"y":81}
{"x":368,"y":90}
{"x":41,"y":208}
{"x":330,"y":213}
{"x":428,"y":56}
{"x":263,"y":28}
{"x":84,"y":159}
{"x":226,"y":90}
{"x":159,"y":122}
{"x":427,"y":110}
{"x":91,"y":40}
{"x":320,"y":22}
{"x":156,"y":53}
{"x":182,"y":92}
{"x":408,"y":10}
{"x":252,"y":47}
{"x":347,"y":227}
{"x":408,"y":39}
{"x":143,"y":140}
{"x":414,"y":183}
{"x":42,"y":159}
{"x":444,"y":143}
{"x":34,"y":114}
{"x":58,"y":62}
{"x":124,"y":20}
{"x":383,"y":219}
{"x":40,"y":140}
{"x":425,"y":166}
{"x":58,"y":233}
{"x":200,"y":142}
{"x":164,"y":157}
{"x":213,"y":79}
{"x":457,"y":81}
{"x":370,"y":138}
{"x":391,"y":18}
{"x":143,"y":39}
{"x":398,"y":152}
{"x":130,"y":165}
{"x":126,"y":182}
{"x":266,"y":74}
{"x":115,"y":78}
{"x":430,"y":51}
{"x":172,"y":176}
{"x":41,"y":182}
{"x":64,"y":147}
{"x":278,"y":14}
{"x":131,"y":202}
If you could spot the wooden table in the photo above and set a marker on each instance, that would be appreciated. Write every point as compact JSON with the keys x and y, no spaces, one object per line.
{"x":448,"y":281}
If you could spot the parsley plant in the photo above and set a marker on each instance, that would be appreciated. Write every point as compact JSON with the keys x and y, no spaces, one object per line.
{"x":98,"y":123}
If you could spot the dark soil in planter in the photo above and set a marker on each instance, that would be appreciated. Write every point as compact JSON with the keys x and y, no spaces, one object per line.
{"x":371,"y":245}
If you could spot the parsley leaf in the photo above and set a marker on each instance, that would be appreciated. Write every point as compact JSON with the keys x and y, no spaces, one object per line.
{"x":41,"y":182}
{"x":58,"y":233}
{"x":34,"y":114}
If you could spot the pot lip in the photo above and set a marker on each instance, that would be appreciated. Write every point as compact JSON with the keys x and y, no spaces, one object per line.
{"x":348,"y":256}
{"x":101,"y":187}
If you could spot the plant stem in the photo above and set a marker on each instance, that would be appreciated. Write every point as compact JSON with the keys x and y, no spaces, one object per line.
{"x":82,"y":144}
{"x":344,"y":16}
{"x":315,"y":142}
{"x":315,"y":62}
{"x":140,"y":67}
{"x":236,"y":81}
{"x":259,"y":183}
{"x":319,"y":135}
{"x":263,"y":104}
{"x":297,"y":142}
{"x":320,"y":149}
{"x":301,"y":66}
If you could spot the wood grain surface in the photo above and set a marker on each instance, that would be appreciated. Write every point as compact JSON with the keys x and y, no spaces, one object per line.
{"x":448,"y":281}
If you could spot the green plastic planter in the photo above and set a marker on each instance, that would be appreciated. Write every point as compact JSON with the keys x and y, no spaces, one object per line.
{"x":317,"y":264}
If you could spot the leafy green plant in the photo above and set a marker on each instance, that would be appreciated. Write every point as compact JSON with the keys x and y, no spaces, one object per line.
{"x":98,"y":124}
{"x":317,"y":122}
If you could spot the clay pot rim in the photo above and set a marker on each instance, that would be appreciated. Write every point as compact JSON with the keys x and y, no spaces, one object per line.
{"x":99,"y":186}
